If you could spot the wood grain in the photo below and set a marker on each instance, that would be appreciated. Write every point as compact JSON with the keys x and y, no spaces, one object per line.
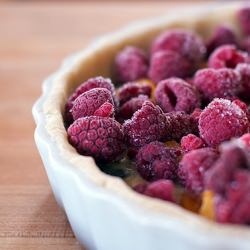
{"x":34,"y":38}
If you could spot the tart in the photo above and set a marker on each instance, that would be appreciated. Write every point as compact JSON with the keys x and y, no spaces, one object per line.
{"x":97,"y":108}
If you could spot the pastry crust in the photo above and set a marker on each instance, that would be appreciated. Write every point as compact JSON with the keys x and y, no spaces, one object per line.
{"x":97,"y":60}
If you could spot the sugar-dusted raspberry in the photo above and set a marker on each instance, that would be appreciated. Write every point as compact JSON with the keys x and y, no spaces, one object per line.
{"x":132,"y":89}
{"x":99,"y":137}
{"x":90,"y":101}
{"x":222,"y":83}
{"x":244,"y":20}
{"x":174,"y":94}
{"x":227,"y":56}
{"x":196,"y":114}
{"x":221,"y":120}
{"x":179,"y":124}
{"x":222,"y":35}
{"x":233,"y":207}
{"x":96,"y":82}
{"x":155,"y":161}
{"x":193,"y":166}
{"x":191,"y":142}
{"x":244,"y":71}
{"x":161,"y":189}
{"x":184,"y":42}
{"x":167,"y":63}
{"x":147,"y":124}
{"x":131,"y":106}
{"x":130,"y":64}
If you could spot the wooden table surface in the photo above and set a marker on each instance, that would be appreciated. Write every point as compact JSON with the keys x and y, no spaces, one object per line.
{"x":34,"y":38}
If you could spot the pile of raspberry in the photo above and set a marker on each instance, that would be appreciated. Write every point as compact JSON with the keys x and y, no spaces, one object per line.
{"x":179,"y":116}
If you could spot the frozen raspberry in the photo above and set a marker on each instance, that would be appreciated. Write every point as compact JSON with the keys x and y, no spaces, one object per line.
{"x":155,"y":161}
{"x":184,"y":42}
{"x":179,"y":124}
{"x":174,"y":94}
{"x":221,"y":120}
{"x":232,"y":158}
{"x":147,"y":124}
{"x":100,"y":137}
{"x":244,"y":20}
{"x":244,"y":71}
{"x":96,"y":82}
{"x":246,"y":44}
{"x":222,"y":35}
{"x":105,"y":110}
{"x":131,"y":64}
{"x":222,"y":83}
{"x":131,"y":106}
{"x":132,"y":89}
{"x":227,"y":56}
{"x":196,"y":114}
{"x":165,"y":64}
{"x":89,"y":102}
{"x":161,"y":189}
{"x":191,"y":142}
{"x":193,"y":166}
{"x":233,"y":207}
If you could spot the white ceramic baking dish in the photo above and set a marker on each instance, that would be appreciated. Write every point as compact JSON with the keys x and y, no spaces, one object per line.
{"x":103,"y":211}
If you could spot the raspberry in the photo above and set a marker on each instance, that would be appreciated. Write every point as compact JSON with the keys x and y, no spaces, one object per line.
{"x":90,"y":101}
{"x":221,"y":120}
{"x":96,"y":82}
{"x":184,"y":42}
{"x":193,"y":167}
{"x":175,"y":94}
{"x":234,"y":206}
{"x":227,"y":56}
{"x":147,"y":124}
{"x":222,"y":35}
{"x":99,"y":137}
{"x":245,"y":139}
{"x":165,"y":64}
{"x":244,"y":20}
{"x":179,"y":124}
{"x":155,"y":161}
{"x":133,"y":89}
{"x":161,"y":189}
{"x":191,"y":142}
{"x":244,"y":71}
{"x":131,"y":106}
{"x":130,"y":64}
{"x":222,"y":83}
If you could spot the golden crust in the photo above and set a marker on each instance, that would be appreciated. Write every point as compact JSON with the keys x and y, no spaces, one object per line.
{"x":97,"y":60}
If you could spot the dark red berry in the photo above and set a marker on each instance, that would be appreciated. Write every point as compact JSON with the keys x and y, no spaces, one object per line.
{"x":147,"y":124}
{"x":222,"y":120}
{"x":89,"y":102}
{"x":222,"y":83}
{"x":167,"y":63}
{"x":191,"y":142}
{"x":132,"y":89}
{"x":244,"y":71}
{"x":99,"y":137}
{"x":174,"y":94}
{"x":244,"y":20}
{"x":227,"y":56}
{"x":96,"y":82}
{"x":193,"y":167}
{"x":131,"y":64}
{"x":185,"y":42}
{"x":222,"y":35}
{"x":155,"y":161}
